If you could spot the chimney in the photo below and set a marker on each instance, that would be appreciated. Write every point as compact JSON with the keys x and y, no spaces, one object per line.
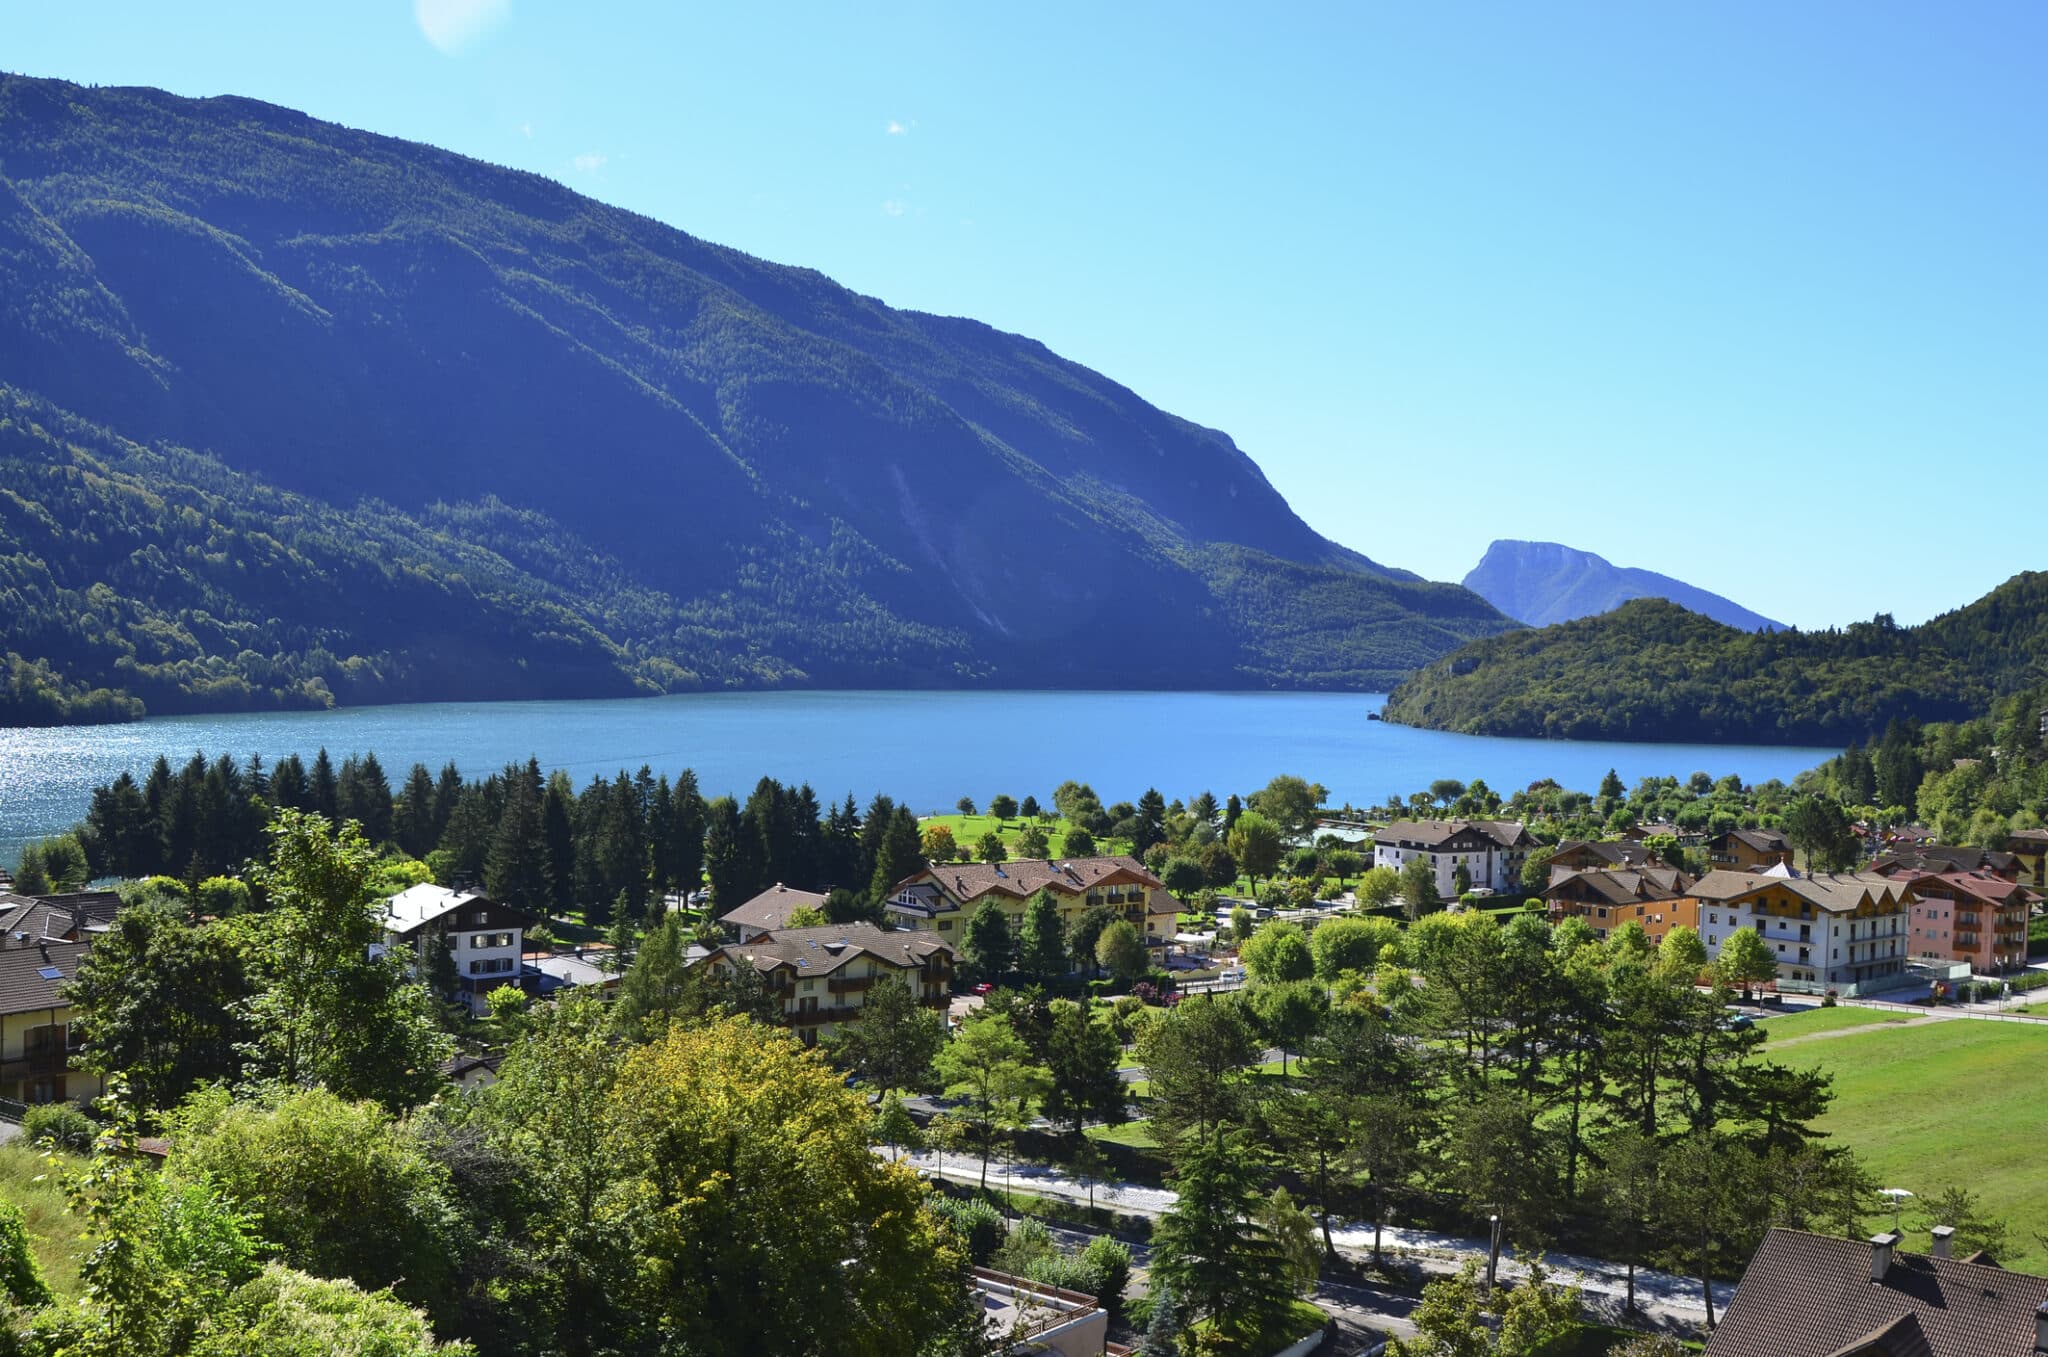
{"x":1881,"y":1246}
{"x":2041,"y":1327}
{"x":1944,"y":1241}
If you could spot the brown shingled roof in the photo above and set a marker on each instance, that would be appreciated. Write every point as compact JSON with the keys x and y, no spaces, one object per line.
{"x":820,"y":951}
{"x":772,"y":907}
{"x":25,"y":987}
{"x":1808,"y":1295}
{"x":1504,"y":833}
{"x":1838,"y":892}
{"x":1022,"y":878}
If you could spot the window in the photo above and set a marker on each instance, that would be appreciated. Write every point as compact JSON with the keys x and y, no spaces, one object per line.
{"x":491,"y":966}
{"x":480,"y":940}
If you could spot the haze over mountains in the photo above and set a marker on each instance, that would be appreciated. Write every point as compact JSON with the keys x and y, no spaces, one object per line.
{"x":1545,"y":582}
{"x":292,"y":414}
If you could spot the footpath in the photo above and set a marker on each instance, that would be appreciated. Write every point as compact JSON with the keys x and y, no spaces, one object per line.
{"x":1666,"y":1297}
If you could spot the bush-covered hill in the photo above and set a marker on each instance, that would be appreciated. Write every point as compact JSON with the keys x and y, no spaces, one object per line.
{"x":1650,"y":670}
{"x":726,"y":470}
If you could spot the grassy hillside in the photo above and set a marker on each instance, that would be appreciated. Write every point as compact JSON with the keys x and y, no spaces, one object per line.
{"x":725,"y":471}
{"x":1650,"y":670}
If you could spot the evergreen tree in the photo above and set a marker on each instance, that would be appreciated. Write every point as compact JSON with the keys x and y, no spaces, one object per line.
{"x":988,"y":947}
{"x":1043,"y":948}
{"x":517,"y":871}
{"x":413,"y":824}
{"x":558,"y":838}
{"x":1208,"y":1247}
{"x":730,"y":856}
{"x":323,"y":791}
{"x":899,"y":854}
{"x":687,"y":838}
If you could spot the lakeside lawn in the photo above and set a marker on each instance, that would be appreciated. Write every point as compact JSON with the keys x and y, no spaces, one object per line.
{"x":1786,"y":1025}
{"x":968,"y":829}
{"x":1945,"y":1104}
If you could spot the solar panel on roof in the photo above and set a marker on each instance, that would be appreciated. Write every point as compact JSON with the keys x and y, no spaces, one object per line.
{"x":49,"y":973}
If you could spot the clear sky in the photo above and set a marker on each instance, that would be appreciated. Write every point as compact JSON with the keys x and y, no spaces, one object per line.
{"x":1751,"y":293}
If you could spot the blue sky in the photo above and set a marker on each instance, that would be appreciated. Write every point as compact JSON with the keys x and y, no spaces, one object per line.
{"x":1750,"y":293}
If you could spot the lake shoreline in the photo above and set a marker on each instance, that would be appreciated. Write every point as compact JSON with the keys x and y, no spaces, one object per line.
{"x":926,"y":748}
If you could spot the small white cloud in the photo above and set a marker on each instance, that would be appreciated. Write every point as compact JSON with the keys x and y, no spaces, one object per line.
{"x":452,"y":25}
{"x":896,"y":129}
{"x":526,"y":130}
{"x":590,"y":162}
{"x":893,"y":207}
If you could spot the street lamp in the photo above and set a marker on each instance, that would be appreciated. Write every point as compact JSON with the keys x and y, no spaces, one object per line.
{"x":1898,"y":1195}
{"x":1493,"y":1250}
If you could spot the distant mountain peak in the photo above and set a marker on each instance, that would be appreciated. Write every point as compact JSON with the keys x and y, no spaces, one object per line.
{"x":1541,"y":583}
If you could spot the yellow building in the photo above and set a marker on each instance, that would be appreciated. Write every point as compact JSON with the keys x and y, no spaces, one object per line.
{"x":941,"y":898}
{"x":2030,"y":846}
{"x":39,"y":1047}
{"x":42,"y":940}
{"x":820,"y":977}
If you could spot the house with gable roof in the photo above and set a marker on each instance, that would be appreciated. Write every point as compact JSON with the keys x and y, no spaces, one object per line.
{"x":820,"y":977}
{"x":1490,"y":851}
{"x":1845,"y":931}
{"x":941,"y":898}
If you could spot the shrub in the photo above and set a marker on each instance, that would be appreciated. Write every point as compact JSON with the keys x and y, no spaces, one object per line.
{"x":61,"y":1125}
{"x":979,"y":1225}
{"x":21,"y":1280}
{"x":1109,"y":1265}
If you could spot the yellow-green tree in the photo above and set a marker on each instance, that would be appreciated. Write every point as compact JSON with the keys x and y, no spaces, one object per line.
{"x":761,"y":1219}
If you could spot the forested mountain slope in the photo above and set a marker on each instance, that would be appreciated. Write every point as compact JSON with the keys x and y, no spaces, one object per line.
{"x":1544,"y":582}
{"x":728,"y":471}
{"x":1651,"y":670}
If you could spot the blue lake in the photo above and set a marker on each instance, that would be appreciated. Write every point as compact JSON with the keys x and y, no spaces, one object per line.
{"x":926,"y":749}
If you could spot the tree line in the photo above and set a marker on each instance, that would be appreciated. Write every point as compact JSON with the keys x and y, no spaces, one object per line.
{"x":607,"y":850}
{"x":1651,"y":670}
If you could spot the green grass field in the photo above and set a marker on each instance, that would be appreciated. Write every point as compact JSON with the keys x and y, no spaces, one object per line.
{"x":1136,"y":1134}
{"x":53,"y":1231}
{"x":1946,"y":1104}
{"x":1825,"y":1020}
{"x":968,"y":829}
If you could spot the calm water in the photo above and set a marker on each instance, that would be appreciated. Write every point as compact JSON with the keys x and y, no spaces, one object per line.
{"x":928,"y":749}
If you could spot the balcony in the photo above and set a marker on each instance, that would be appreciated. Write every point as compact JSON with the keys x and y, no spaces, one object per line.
{"x":849,"y":984}
{"x":817,"y":1016}
{"x":36,"y":1063}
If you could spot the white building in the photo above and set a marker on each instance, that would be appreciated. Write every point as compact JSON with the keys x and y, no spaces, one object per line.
{"x":1845,"y":931}
{"x":1491,"y":851}
{"x":484,"y":938}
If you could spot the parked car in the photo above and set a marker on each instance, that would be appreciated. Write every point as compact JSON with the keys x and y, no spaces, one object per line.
{"x":1736,"y":1020}
{"x":1231,"y":973}
{"x":983,"y":988}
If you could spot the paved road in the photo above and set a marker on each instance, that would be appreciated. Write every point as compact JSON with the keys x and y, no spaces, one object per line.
{"x":1665,"y":1298}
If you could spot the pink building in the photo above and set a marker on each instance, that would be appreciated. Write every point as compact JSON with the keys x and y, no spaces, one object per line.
{"x":1976,"y":917}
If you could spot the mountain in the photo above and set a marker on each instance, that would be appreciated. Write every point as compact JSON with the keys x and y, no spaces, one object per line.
{"x":233,"y":337}
{"x":1544,"y":582}
{"x":1651,"y":670}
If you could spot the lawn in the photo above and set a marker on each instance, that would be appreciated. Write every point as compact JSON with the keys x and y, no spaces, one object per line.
{"x":53,"y":1232}
{"x":1136,"y":1134}
{"x":1825,"y":1020}
{"x":968,"y":829}
{"x":1946,"y":1104}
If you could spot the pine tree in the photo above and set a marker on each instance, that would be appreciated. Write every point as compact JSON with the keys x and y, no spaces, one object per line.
{"x":687,"y":838}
